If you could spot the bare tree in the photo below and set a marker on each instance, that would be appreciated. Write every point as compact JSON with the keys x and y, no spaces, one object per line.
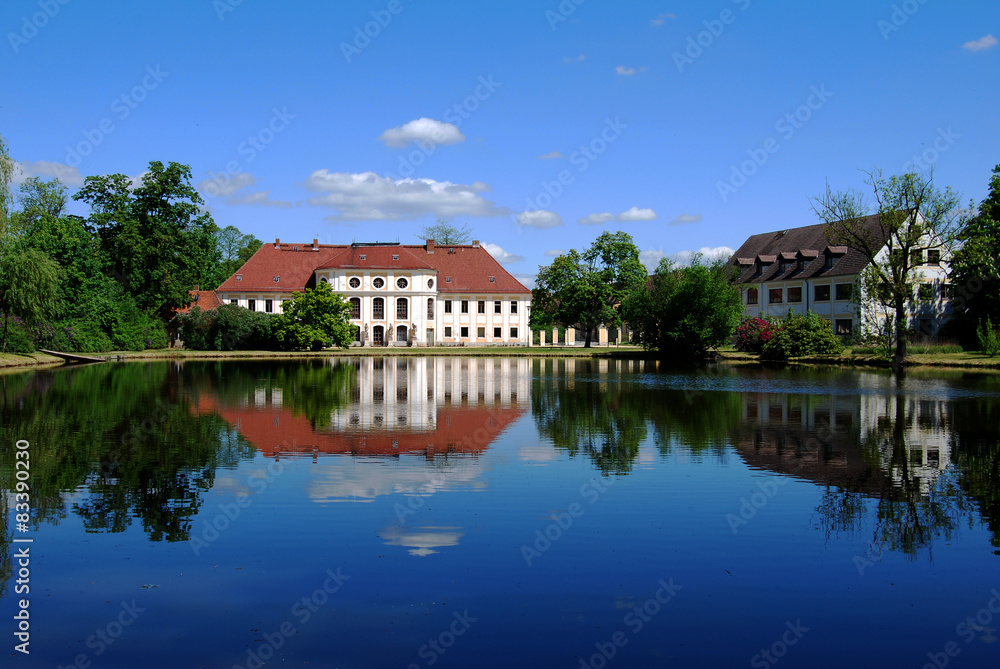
{"x":444,"y":232}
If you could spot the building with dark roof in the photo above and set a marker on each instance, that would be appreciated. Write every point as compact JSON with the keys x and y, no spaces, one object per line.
{"x":800,"y":270}
{"x":399,"y":294}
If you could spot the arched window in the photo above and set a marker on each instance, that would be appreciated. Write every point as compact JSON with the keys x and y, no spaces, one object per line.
{"x":355,"y":307}
{"x":401,"y":309}
{"x":430,"y":307}
{"x":378,"y":308}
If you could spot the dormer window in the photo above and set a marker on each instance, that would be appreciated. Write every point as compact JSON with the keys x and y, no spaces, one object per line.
{"x":493,"y":279}
{"x":277,"y":278}
{"x":395,"y":257}
{"x":447,"y":279}
{"x":831,"y":260}
{"x":239,"y":277}
{"x":362,"y":257}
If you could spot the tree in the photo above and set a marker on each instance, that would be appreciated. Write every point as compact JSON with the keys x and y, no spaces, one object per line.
{"x":42,"y":198}
{"x":29,"y":282}
{"x":685,"y":311}
{"x":586,"y":290}
{"x":975,"y":271}
{"x":6,"y":195}
{"x":234,"y":248}
{"x":443,"y":232}
{"x":908,"y":214}
{"x":315,"y":319}
{"x":155,"y":240}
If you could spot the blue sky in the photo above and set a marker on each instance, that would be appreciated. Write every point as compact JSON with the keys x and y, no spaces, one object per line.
{"x":690,"y":125}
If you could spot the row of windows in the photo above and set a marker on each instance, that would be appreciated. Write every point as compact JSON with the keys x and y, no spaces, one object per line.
{"x":480,"y":332}
{"x":480,"y":306}
{"x":844,"y":291}
{"x":378,"y":282}
{"x":252,"y":304}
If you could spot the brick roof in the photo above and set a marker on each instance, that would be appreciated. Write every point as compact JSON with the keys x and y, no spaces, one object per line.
{"x":205,"y":299}
{"x":468,"y":266}
{"x":809,"y":242}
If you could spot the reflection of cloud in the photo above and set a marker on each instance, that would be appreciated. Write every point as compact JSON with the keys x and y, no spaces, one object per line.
{"x":537,"y":454}
{"x":364,"y":480}
{"x":421,"y":540}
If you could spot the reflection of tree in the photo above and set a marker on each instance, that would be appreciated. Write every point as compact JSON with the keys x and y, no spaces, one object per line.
{"x":6,"y":554}
{"x":976,"y":452}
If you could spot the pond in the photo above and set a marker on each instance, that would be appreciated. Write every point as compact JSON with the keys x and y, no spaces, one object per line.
{"x":495,"y":512}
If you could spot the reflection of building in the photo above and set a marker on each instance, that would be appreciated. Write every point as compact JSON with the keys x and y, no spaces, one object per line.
{"x":844,"y":440}
{"x":398,"y":405}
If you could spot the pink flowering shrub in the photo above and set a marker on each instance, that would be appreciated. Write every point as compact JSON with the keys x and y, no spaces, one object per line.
{"x":753,"y":334}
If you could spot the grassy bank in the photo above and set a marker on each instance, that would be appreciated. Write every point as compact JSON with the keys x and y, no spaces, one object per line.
{"x":920,"y":357}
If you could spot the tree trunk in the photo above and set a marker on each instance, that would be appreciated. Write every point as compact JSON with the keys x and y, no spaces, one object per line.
{"x":586,"y":344}
{"x":900,"y":355}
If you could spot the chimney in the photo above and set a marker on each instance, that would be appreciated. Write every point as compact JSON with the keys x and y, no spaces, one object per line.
{"x":277,"y":243}
{"x":315,"y":245}
{"x":475,"y":243}
{"x":430,"y":246}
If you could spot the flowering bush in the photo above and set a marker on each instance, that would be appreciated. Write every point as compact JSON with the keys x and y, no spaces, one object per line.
{"x":753,"y":334}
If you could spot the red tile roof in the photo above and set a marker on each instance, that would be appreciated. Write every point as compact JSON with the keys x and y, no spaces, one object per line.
{"x":470,"y":268}
{"x":204,"y":299}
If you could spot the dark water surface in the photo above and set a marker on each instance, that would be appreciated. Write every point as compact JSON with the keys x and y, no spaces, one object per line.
{"x":499,"y":512}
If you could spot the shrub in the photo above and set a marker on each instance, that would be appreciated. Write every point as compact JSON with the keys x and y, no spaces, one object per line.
{"x":989,"y":342}
{"x":228,"y":328}
{"x":802,"y":335}
{"x":753,"y":334}
{"x":18,"y":336}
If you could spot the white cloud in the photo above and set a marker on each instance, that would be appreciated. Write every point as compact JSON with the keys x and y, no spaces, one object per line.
{"x":500,"y":255}
{"x":577,"y":59}
{"x":422,"y":131}
{"x":260,"y":198}
{"x":651,"y":259}
{"x":686,"y":218}
{"x":625,"y":71}
{"x":552,"y":253}
{"x":707,"y":254}
{"x":136,"y":181}
{"x":596,"y":219}
{"x":662,"y":18}
{"x":981,"y":44}
{"x":539,"y":219}
{"x":69,"y":176}
{"x":636,"y":214}
{"x":552,"y":155}
{"x":369,"y":197}
{"x":527,"y":280}
{"x":224,"y":185}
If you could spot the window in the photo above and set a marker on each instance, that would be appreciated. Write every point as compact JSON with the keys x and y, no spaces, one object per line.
{"x":513,"y":306}
{"x":465,"y":332}
{"x":239,"y":277}
{"x":774,"y":296}
{"x":934,"y":257}
{"x":481,"y":332}
{"x":395,"y":256}
{"x":917,"y":257}
{"x":844,"y":326}
{"x":493,"y":279}
{"x":845,"y":291}
{"x":465,"y":306}
{"x":447,"y":331}
{"x":513,"y":333}
{"x":948,"y":291}
{"x":355,"y":307}
{"x":497,"y":308}
{"x":795,"y":294}
{"x":378,"y":308}
{"x":430,"y":307}
{"x":925,"y":292}
{"x":269,"y":306}
{"x":402,"y":283}
{"x":234,"y":301}
{"x":401,"y":310}
{"x":831,"y":260}
{"x":355,"y":282}
{"x":252,"y":305}
{"x":752,"y":296}
{"x":277,"y":279}
{"x":496,"y":333}
{"x":447,"y":306}
{"x":430,"y":283}
{"x":481,"y":307}
{"x":822,"y":293}
{"x":447,"y":279}
{"x":360,"y":257}
{"x":378,"y":282}
{"x":322,"y":279}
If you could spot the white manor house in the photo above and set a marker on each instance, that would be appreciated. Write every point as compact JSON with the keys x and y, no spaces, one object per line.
{"x":419,"y":295}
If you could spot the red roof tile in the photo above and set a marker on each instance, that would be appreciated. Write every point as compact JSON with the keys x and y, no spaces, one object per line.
{"x":206,"y":300}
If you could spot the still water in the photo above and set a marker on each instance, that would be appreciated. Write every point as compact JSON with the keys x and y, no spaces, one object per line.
{"x":497,"y":512}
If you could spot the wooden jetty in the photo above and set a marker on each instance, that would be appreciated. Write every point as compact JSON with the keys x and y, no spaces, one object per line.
{"x":71,"y":358}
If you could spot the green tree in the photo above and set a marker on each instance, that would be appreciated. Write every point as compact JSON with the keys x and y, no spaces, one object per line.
{"x":233,"y":248}
{"x":42,"y":198}
{"x":315,"y":319}
{"x":6,"y":195}
{"x":685,"y":311}
{"x":29,"y":283}
{"x":975,"y":271}
{"x":444,"y":232}
{"x":155,"y":240}
{"x":586,"y":290}
{"x":907,"y":213}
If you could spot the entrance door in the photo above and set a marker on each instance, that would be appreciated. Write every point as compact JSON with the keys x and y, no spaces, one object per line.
{"x":378,"y":336}
{"x":401,"y":333}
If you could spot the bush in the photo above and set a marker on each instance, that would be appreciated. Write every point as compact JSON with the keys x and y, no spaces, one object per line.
{"x":989,"y":342}
{"x":19,"y":338}
{"x":228,"y":328}
{"x":802,"y":335}
{"x":753,"y":334}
